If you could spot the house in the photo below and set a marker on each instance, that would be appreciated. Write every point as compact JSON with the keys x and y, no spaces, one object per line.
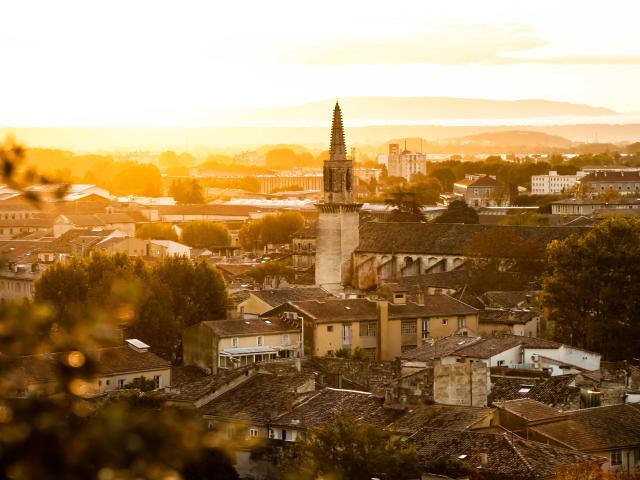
{"x":448,"y":417}
{"x":500,"y":455}
{"x":590,"y":206}
{"x":480,"y":190}
{"x":611,"y":432}
{"x":621,"y":181}
{"x":138,"y":247}
{"x":261,"y":301}
{"x":220,"y":344}
{"x":321,"y":408}
{"x":254,"y":403}
{"x":498,"y":321}
{"x":303,"y":248}
{"x":383,"y":330}
{"x":116,"y":367}
{"x":106,"y":221}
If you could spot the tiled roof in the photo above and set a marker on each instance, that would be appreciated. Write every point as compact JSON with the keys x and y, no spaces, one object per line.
{"x":558,"y":391}
{"x":511,"y":299}
{"x":489,"y":347}
{"x":195,"y":389}
{"x":449,"y":417}
{"x":96,"y":219}
{"x":260,"y":398}
{"x":276,"y":297}
{"x":507,"y":317}
{"x":596,"y":429}
{"x":124,"y":359}
{"x":611,"y":176}
{"x":325,"y":404}
{"x":235,"y":269}
{"x":446,"y":305}
{"x":355,"y":374}
{"x":454,"y":279}
{"x":507,"y":456}
{"x":271,"y":325}
{"x":447,"y":239}
{"x":529,"y":409}
{"x":212,"y":209}
{"x":440,"y":348}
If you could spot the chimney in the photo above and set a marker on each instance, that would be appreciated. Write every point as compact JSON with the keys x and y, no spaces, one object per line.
{"x":484,"y":458}
{"x":420,"y":296}
{"x":298,"y":363}
{"x":382,"y":311}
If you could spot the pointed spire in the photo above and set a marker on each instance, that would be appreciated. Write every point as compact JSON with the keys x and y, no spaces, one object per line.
{"x":338,"y":150}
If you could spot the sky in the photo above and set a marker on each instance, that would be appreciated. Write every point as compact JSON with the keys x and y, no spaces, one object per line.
{"x":184,"y":63}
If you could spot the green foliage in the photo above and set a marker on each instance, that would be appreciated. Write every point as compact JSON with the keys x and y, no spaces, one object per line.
{"x":592,"y":289}
{"x":271,"y":272}
{"x":352,"y":354}
{"x":458,"y":212}
{"x":270,"y":229}
{"x":527,"y":219}
{"x":349,"y":449}
{"x":204,"y":234}
{"x":141,"y":383}
{"x":187,"y":191}
{"x":157,"y":231}
{"x":154,"y":303}
{"x":282,"y":158}
{"x":126,"y":436}
{"x":132,"y":178}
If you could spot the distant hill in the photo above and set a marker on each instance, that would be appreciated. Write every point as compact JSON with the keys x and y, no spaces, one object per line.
{"x":392,"y":109}
{"x":515,"y":139}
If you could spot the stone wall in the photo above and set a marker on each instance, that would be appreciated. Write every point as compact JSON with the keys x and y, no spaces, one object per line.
{"x":461,"y":384}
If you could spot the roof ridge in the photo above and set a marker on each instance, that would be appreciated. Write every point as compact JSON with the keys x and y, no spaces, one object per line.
{"x":517,"y":452}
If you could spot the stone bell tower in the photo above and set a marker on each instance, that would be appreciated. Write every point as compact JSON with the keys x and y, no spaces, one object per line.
{"x":338,"y":215}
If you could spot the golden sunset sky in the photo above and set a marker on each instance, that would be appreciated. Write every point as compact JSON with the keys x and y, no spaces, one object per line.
{"x":182,"y":63}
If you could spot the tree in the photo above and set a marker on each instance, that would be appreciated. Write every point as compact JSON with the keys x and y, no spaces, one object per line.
{"x":134,"y":178}
{"x":592,"y":288}
{"x":157,"y":231}
{"x":187,"y":191}
{"x":271,"y":272}
{"x":593,"y":471}
{"x":445,"y":176}
{"x":458,"y":212}
{"x":204,"y":234}
{"x":406,"y":205}
{"x":270,"y":229}
{"x":348,"y":448}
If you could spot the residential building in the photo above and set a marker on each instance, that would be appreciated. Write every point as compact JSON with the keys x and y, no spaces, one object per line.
{"x":139,"y":247}
{"x":589,"y":206}
{"x":303,"y":246}
{"x":523,"y":322}
{"x":552,"y":183}
{"x":405,"y":164}
{"x":383,"y":330}
{"x":105,"y":221}
{"x":480,"y":190}
{"x":622,"y":181}
{"x":220,"y":344}
{"x":261,"y":301}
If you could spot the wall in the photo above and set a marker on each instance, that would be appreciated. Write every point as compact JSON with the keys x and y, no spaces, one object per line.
{"x":109,"y":383}
{"x":325,"y":341}
{"x":253,"y":306}
{"x":573,"y":356}
{"x":438,"y":330}
{"x":461,"y":384}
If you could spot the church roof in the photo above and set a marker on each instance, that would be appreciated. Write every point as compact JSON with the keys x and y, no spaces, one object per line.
{"x":446,"y":238}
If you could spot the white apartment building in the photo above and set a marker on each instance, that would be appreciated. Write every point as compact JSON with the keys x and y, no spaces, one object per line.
{"x":553,"y":183}
{"x":405,"y":164}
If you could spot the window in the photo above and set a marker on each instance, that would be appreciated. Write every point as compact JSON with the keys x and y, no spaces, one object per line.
{"x":425,"y":329}
{"x":271,"y":434}
{"x":367,"y":329}
{"x":346,"y":334}
{"x":408,"y":328}
{"x":444,"y":321}
{"x":253,"y":432}
{"x":286,"y":340}
{"x":616,"y":458}
{"x":121,"y":383}
{"x":461,"y":320}
{"x":259,"y":340}
{"x":329,"y":328}
{"x":636,"y":455}
{"x":158,"y":381}
{"x":234,"y":342}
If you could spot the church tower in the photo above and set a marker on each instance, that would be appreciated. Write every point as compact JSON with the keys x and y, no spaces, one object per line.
{"x":338,"y":215}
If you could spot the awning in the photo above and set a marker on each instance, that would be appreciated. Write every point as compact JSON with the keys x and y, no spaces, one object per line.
{"x":244,"y":351}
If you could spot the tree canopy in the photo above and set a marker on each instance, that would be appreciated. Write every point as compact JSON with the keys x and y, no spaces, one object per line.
{"x":270,"y":229}
{"x":458,"y":212}
{"x":350,"y":449}
{"x":592,"y":288}
{"x":186,"y":191}
{"x":205,"y":234}
{"x":157,"y":231}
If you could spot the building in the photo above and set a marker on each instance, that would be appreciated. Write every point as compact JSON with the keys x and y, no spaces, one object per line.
{"x":261,"y":301}
{"x":552,"y":183}
{"x":624,"y":182}
{"x":405,"y":164}
{"x":105,"y":221}
{"x":309,"y":182}
{"x":117,"y":368}
{"x":338,"y":215}
{"x":139,"y":247}
{"x":220,"y":344}
{"x":383,"y":330}
{"x":480,"y":190}
{"x":303,"y":255}
{"x":590,"y":206}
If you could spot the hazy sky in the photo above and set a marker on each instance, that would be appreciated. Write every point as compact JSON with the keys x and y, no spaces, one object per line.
{"x":138,"y":62}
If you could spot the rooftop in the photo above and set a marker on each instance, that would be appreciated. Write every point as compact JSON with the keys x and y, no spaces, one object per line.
{"x":276,"y":297}
{"x":232,"y":328}
{"x":449,"y":417}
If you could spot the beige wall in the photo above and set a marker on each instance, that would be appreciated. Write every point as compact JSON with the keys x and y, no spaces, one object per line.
{"x":16,"y":288}
{"x":437,"y":329}
{"x":108,"y":383}
{"x":271,"y":340}
{"x":253,"y":306}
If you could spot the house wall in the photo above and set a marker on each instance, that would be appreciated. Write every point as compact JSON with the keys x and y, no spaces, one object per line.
{"x":108,"y":383}
{"x":437,"y":329}
{"x":273,"y":340}
{"x":16,"y":288}
{"x":253,"y":306}
{"x":567,"y":354}
{"x":327,"y":337}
